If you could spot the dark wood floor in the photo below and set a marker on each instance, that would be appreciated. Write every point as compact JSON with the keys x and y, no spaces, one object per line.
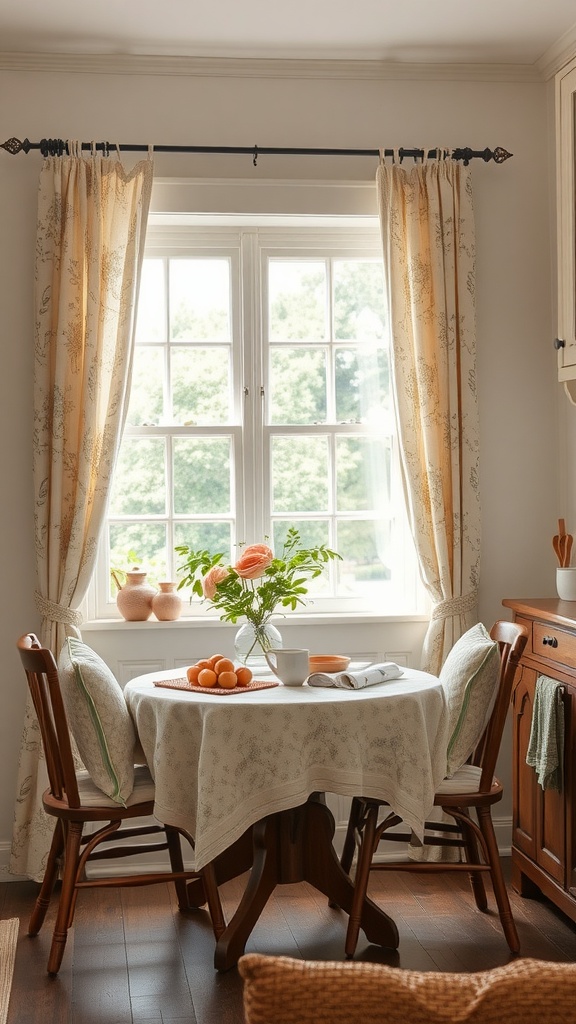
{"x":131,"y":957}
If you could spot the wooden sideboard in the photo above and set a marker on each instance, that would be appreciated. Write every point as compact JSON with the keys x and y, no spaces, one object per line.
{"x":544,"y":821}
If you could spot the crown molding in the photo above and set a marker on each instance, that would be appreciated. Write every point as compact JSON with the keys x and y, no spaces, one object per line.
{"x":558,"y":55}
{"x":245,"y":67}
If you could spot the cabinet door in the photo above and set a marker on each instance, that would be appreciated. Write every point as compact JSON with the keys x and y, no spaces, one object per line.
{"x":539,"y":818}
{"x":523,"y":777}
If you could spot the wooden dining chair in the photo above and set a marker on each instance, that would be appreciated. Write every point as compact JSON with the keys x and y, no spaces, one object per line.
{"x":472,"y":787}
{"x":87,"y":819}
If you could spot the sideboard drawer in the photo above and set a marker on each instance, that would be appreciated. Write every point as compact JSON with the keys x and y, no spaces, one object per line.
{"x":554,"y":644}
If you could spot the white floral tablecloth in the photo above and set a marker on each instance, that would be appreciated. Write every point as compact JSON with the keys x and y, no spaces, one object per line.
{"x":222,"y":762}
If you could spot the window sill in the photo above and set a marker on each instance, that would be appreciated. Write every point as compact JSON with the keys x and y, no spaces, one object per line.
{"x":205,"y":622}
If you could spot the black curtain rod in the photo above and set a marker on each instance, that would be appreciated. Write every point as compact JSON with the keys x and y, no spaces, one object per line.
{"x":57,"y":147}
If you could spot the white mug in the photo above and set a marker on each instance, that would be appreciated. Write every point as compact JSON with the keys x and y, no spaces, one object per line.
{"x":290,"y":664}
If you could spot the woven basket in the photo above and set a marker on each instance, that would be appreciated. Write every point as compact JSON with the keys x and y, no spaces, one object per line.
{"x":280,"y":990}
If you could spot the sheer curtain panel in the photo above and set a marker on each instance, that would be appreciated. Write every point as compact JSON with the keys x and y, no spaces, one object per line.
{"x":427,"y":228}
{"x":92,"y":217}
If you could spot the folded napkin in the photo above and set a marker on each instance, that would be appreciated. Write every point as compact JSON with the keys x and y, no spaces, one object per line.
{"x":546,"y":745}
{"x":355,"y":681}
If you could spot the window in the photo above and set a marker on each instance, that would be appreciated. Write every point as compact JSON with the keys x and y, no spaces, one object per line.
{"x":261,"y":399}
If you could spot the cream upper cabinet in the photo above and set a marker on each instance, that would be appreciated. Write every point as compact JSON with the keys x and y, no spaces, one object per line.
{"x":566,"y":229}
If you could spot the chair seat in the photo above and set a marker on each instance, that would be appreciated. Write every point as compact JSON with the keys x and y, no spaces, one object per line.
{"x":91,"y":796}
{"x":466,"y":782}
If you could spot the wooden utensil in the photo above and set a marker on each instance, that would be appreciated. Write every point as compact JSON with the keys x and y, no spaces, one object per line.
{"x":562,"y":544}
{"x":558,"y":542}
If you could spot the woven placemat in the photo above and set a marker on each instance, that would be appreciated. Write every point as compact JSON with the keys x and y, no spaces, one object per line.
{"x":183,"y":684}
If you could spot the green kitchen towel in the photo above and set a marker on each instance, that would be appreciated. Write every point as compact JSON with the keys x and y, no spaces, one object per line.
{"x":546,"y":745}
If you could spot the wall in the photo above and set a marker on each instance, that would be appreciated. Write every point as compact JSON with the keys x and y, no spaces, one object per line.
{"x":516,"y":371}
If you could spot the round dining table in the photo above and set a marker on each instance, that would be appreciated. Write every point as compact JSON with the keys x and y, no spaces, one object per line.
{"x":245,"y":773}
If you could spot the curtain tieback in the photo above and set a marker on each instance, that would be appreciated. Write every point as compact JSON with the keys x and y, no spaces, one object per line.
{"x":57,"y":612}
{"x":455,"y":606}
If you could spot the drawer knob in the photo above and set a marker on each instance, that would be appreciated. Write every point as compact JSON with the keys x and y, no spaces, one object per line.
{"x":551,"y":641}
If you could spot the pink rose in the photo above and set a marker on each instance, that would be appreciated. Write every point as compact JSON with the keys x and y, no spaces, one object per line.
{"x":254,"y":561}
{"x":213,"y":577}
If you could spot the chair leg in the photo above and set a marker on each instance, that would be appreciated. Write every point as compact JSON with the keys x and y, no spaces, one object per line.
{"x":67,"y":894}
{"x":350,"y":839}
{"x":498,"y":883}
{"x":177,"y":865}
{"x":365,"y":853}
{"x":213,"y":900}
{"x":48,"y":882}
{"x":473,"y":857}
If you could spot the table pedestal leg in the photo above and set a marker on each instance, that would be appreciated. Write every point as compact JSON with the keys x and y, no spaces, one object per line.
{"x":296,"y":846}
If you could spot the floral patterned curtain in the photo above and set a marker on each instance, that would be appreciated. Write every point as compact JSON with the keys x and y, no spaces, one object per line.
{"x":429,"y":254}
{"x":92,"y":217}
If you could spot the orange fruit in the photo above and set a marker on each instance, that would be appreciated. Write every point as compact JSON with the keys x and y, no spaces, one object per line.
{"x":192,"y":674}
{"x":244,"y":676}
{"x":204,"y":663}
{"x":215,"y":658}
{"x":207,"y":677}
{"x":227,"y":680}
{"x":223,"y":665}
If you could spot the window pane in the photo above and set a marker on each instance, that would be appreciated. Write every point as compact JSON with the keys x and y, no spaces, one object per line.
{"x":362,"y":474}
{"x":202,"y":475}
{"x":299,"y":474}
{"x":313,"y":532}
{"x":298,"y":385}
{"x":365,"y":550}
{"x":297,"y":300}
{"x":147,"y":393}
{"x":151,"y":318}
{"x":358,"y":300}
{"x":362,"y":378}
{"x":199,"y":297}
{"x":211,"y":537}
{"x":140,"y":478}
{"x":142,"y":544}
{"x":201,"y":386}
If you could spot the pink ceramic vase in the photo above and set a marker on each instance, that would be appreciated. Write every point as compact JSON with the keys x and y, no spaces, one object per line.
{"x":134,"y":599}
{"x":166,"y":603}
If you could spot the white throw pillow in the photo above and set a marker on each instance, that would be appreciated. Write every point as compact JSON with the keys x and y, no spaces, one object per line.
{"x":99,"y":719}
{"x":470,"y":680}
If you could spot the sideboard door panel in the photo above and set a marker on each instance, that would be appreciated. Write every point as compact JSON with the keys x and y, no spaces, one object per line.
{"x":523,"y":778}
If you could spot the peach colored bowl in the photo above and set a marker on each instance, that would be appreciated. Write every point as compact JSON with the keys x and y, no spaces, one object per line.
{"x":328,"y":663}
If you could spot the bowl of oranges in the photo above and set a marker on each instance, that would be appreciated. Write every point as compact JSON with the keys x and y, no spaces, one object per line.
{"x":218,"y":672}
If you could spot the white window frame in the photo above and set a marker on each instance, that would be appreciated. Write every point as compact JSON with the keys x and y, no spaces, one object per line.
{"x":172,"y":234}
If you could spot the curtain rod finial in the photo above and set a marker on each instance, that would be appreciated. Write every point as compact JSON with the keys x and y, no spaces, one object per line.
{"x":500,"y":155}
{"x":14,"y":146}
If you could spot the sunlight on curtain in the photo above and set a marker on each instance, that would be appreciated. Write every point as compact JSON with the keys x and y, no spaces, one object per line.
{"x":429,"y":265}
{"x":92,"y":217}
